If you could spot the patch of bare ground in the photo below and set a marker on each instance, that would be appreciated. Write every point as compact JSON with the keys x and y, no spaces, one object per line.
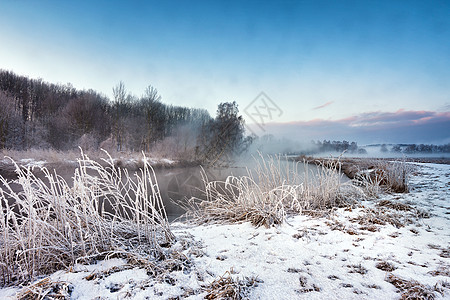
{"x":400,"y":206}
{"x":396,"y":213}
{"x":445,"y":252}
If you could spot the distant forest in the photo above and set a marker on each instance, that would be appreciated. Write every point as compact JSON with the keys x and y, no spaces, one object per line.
{"x":268,"y":143}
{"x":337,"y":146}
{"x":37,"y":114}
{"x":416,"y":148}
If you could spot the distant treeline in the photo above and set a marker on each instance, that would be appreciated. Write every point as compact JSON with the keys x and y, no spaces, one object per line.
{"x":416,"y":148}
{"x":37,"y":114}
{"x":336,"y":146}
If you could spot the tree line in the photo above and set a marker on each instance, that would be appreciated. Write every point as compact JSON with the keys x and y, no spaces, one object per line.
{"x":417,"y":148}
{"x":37,"y":114}
{"x":336,"y":146}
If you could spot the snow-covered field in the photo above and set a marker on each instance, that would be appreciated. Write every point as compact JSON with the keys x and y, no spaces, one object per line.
{"x":352,"y":253}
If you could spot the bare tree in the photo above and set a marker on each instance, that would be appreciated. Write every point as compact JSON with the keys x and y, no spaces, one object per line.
{"x":6,"y":119}
{"x":153,"y":114}
{"x":119,"y":110}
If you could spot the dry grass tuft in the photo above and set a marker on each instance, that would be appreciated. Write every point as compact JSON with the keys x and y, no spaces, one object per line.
{"x":226,"y":287}
{"x":306,"y":287}
{"x":395,"y":205}
{"x":45,"y":289}
{"x":411,"y":289}
{"x":384,"y":176}
{"x":441,"y":271}
{"x":265,"y":197}
{"x":357,"y":269}
{"x":375,"y":176}
{"x":47,"y":225}
{"x":381,"y":216}
{"x":445,"y":253}
{"x":385,"y":266}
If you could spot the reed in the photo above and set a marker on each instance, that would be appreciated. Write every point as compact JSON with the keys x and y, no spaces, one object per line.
{"x":385,"y":176}
{"x":268,"y":194}
{"x":48,"y":225}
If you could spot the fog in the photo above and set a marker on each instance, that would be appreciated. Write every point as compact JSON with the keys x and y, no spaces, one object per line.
{"x":279,"y":145}
{"x":375,"y":151}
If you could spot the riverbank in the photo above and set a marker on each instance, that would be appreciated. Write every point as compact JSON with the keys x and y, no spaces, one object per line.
{"x":67,"y":160}
{"x":385,"y":248}
{"x":350,"y":166}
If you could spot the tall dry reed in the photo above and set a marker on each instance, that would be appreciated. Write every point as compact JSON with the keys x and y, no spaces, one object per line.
{"x":272,"y":190}
{"x":46,"y":224}
{"x":385,"y":176}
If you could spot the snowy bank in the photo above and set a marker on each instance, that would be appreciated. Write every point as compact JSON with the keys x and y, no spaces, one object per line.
{"x":397,"y":244}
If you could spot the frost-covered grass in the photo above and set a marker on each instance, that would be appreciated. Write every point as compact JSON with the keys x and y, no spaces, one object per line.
{"x":375,"y":176}
{"x":47,"y":225}
{"x":385,"y":176}
{"x":393,"y":247}
{"x":272,"y":191}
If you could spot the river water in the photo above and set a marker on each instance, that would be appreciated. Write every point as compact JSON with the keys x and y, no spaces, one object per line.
{"x":178,"y":183}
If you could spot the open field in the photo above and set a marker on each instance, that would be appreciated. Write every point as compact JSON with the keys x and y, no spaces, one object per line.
{"x":376,"y":246}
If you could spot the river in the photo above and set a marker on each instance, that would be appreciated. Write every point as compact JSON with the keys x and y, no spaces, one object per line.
{"x":175,"y":183}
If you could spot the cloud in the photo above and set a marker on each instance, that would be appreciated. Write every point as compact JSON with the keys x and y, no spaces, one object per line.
{"x":446,"y":107}
{"x":323,"y":105}
{"x":399,"y":118}
{"x":394,"y":127}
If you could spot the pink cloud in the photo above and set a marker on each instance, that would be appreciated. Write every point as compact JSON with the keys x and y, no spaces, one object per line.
{"x":399,"y":126}
{"x":400,"y":117}
{"x":323,"y":105}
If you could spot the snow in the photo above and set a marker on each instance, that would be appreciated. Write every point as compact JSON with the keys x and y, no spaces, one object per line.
{"x":137,"y":162}
{"x":167,"y":161}
{"x":8,"y":293}
{"x":306,"y":258}
{"x":30,"y":162}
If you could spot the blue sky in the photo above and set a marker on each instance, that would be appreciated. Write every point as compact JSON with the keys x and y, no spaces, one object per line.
{"x":324,"y":61}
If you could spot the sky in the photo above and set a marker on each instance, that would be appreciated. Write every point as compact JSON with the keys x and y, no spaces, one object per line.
{"x":370,"y":71}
